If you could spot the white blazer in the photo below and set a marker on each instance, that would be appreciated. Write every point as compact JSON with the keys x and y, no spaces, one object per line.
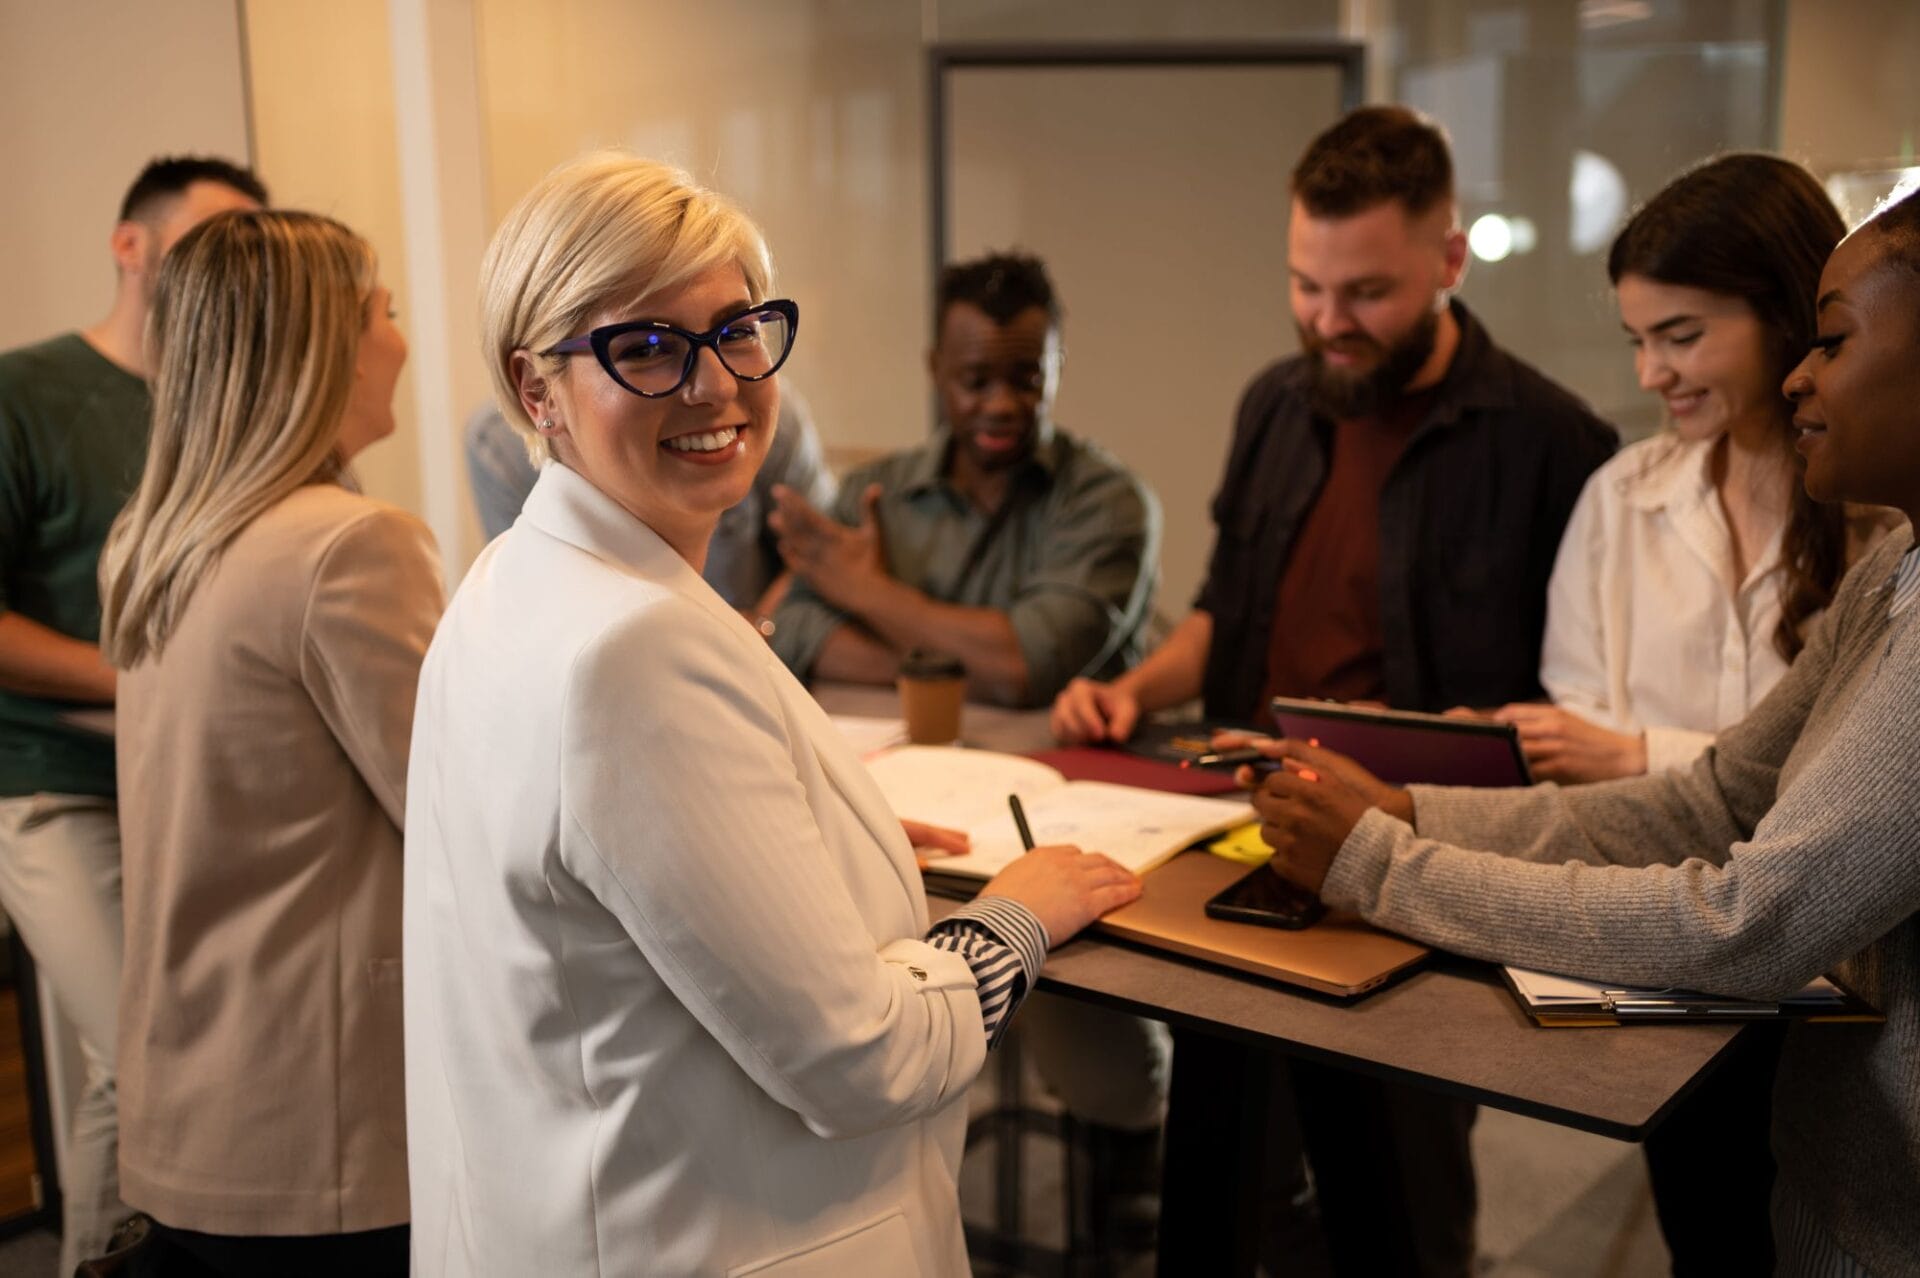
{"x":668,"y":1006}
{"x":1648,"y":630}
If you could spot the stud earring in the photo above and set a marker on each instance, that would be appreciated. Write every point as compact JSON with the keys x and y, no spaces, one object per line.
{"x":546,"y":423}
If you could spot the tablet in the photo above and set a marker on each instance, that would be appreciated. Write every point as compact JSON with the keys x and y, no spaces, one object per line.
{"x":1402,"y":747}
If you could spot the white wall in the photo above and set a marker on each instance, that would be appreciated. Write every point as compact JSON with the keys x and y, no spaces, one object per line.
{"x":809,"y":115}
{"x":90,"y":90}
{"x":808,"y":111}
{"x":1166,"y":238}
{"x":322,"y":78}
{"x":1850,"y":88}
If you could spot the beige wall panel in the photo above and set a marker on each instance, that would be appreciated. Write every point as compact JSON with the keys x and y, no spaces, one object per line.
{"x":1078,"y":20}
{"x":1850,"y":95}
{"x":322,"y":79}
{"x":1165,"y":233}
{"x":809,"y":114}
{"x":90,"y":90}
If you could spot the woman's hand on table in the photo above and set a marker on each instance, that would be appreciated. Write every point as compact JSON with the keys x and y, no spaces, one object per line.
{"x":1064,"y":887}
{"x":1310,"y":803}
{"x":1087,"y":710}
{"x":1561,"y":746}
{"x":931,"y":842}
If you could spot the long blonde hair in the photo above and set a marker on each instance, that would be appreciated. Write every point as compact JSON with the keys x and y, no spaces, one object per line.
{"x":256,"y":322}
{"x":604,"y":229}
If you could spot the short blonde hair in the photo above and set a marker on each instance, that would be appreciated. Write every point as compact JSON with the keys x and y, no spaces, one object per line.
{"x":256,"y":322}
{"x":607,"y":229}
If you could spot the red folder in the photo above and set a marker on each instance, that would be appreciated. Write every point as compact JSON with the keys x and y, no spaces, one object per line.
{"x":1117,"y":767}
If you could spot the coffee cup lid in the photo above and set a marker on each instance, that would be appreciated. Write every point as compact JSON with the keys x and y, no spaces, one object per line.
{"x":923,"y":664}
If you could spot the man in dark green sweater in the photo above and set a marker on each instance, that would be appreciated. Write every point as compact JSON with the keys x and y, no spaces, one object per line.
{"x":73,"y":439}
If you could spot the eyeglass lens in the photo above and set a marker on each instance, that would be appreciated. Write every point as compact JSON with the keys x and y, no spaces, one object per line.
{"x":655,"y":361}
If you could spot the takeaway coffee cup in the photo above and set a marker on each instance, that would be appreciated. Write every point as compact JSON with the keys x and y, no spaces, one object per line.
{"x":932,"y":690}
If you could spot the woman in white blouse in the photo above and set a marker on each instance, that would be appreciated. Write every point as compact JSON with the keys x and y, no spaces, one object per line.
{"x":1695,"y":559}
{"x":1686,"y":579}
{"x":672,"y":1003}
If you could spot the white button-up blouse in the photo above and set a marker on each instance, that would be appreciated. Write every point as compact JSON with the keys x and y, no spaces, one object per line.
{"x":1647,"y":628}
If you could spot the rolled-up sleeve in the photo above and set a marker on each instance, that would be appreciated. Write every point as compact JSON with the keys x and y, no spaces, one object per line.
{"x":801,"y":625}
{"x":803,"y":620}
{"x":1092,"y":583}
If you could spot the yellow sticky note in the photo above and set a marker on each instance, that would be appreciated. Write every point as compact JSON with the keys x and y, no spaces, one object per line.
{"x":1242,"y":844}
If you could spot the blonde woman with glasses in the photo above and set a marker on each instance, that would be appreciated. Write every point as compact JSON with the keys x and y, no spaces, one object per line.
{"x":673,"y":1006}
{"x":269,"y":623}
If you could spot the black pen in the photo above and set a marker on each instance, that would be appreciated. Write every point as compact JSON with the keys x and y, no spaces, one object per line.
{"x":1020,"y":819}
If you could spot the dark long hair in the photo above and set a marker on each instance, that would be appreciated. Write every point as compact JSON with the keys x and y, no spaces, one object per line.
{"x":1760,"y":229}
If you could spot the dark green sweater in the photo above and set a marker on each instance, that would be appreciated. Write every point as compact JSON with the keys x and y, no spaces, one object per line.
{"x":73,"y":438}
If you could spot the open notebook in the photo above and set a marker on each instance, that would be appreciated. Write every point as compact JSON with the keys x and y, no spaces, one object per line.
{"x":968,"y":789}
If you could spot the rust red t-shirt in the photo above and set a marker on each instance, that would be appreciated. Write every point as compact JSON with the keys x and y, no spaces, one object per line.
{"x":1326,"y":639}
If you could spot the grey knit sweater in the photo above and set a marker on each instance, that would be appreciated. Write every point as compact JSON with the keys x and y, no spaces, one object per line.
{"x":1790,"y":849}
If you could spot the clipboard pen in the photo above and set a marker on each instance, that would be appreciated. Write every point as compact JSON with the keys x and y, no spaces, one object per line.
{"x":1228,"y":759}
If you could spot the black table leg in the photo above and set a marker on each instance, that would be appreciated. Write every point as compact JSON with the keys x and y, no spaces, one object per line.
{"x":1211,"y":1193}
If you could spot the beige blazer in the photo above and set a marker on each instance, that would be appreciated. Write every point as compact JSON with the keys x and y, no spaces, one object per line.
{"x":262,"y":760}
{"x":669,"y":1008}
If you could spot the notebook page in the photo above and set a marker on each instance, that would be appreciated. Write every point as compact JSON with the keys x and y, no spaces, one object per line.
{"x":958,"y":788}
{"x":1138,"y":828}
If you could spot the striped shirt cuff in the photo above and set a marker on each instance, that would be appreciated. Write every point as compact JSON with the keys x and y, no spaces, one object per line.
{"x":1005,"y":945}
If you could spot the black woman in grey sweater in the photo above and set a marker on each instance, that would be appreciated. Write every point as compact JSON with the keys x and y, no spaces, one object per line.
{"x":1790,"y":849}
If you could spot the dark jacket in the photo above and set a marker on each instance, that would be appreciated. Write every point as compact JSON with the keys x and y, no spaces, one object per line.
{"x":1470,"y":520}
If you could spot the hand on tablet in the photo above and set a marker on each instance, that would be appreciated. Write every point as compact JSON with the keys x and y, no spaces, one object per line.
{"x":1561,"y":746}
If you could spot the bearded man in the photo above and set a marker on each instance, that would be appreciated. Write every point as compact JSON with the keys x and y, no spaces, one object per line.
{"x":1385,"y":528}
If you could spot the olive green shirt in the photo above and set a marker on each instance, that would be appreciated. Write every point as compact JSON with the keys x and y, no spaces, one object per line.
{"x":1071,"y":556}
{"x":73,"y":439}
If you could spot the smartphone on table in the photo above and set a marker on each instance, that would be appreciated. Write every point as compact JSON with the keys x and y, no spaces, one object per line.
{"x":1265,"y":898}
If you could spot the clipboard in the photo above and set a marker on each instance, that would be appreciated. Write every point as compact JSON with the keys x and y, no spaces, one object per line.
{"x":1560,"y":1002}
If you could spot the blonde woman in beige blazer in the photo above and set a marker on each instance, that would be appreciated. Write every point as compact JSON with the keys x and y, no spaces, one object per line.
{"x":269,"y":623}
{"x":673,"y":1006}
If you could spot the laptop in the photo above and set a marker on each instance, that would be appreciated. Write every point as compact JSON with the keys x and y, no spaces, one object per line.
{"x":1339,"y":955}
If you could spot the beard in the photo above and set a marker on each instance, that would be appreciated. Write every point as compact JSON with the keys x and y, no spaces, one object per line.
{"x":1341,"y":395}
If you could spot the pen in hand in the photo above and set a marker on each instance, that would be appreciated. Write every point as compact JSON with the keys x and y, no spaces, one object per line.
{"x":1224,"y":759}
{"x":1234,"y":760}
{"x":1245,"y":755}
{"x":1020,"y":820}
